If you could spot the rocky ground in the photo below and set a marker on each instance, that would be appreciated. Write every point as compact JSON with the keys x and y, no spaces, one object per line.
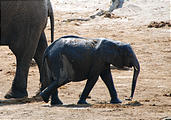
{"x":144,"y":24}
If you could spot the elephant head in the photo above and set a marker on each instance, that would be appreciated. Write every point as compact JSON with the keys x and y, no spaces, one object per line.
{"x":124,"y":57}
{"x":129,"y":59}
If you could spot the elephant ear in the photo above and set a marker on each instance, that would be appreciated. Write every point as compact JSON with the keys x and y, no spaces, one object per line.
{"x":108,"y":51}
{"x":117,"y":53}
{"x":123,"y":51}
{"x":130,"y":50}
{"x":127,"y":55}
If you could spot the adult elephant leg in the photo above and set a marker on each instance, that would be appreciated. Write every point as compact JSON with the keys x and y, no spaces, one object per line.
{"x":42,"y":45}
{"x":107,"y":79}
{"x":19,"y":85}
{"x":89,"y":85}
{"x":24,"y":52}
{"x":44,"y":78}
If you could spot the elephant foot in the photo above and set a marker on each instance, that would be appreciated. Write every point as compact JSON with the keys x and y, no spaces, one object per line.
{"x":16,"y":94}
{"x":82,"y":102}
{"x":56,"y":102}
{"x":115,"y":101}
{"x":45,"y":97}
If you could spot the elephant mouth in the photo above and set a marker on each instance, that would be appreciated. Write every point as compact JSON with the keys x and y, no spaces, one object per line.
{"x":125,"y":68}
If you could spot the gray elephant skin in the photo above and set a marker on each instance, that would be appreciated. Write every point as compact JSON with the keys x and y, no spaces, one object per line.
{"x":22,"y":29}
{"x":73,"y":59}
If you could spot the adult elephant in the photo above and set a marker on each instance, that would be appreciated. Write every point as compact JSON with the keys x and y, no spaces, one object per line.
{"x":22,"y":29}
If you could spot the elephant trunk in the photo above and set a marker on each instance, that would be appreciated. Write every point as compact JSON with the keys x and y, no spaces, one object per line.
{"x":135,"y":76}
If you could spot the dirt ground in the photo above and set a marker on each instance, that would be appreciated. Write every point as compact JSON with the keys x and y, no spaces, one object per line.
{"x":152,"y":45}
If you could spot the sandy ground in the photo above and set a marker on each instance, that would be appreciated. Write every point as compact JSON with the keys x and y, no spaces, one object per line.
{"x":152,"y":99}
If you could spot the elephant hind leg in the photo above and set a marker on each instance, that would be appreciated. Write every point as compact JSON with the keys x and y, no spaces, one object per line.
{"x":24,"y":49}
{"x":42,"y":45}
{"x":38,"y":56}
{"x":19,"y":85}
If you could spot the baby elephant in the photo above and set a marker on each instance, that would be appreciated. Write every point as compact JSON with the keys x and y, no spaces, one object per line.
{"x":73,"y":58}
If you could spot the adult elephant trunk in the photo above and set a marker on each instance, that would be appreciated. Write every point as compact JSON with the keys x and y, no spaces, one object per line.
{"x":135,"y":76}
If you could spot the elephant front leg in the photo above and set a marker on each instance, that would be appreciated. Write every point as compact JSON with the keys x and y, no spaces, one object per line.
{"x":107,"y":79}
{"x":89,"y":85}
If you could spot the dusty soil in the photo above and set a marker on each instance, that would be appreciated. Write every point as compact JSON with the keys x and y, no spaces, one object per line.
{"x":152,"y":99}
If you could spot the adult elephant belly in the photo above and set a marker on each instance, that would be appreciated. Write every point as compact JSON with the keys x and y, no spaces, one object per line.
{"x":22,"y":25}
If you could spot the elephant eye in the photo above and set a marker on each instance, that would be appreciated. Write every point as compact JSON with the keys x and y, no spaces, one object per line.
{"x":131,"y":55}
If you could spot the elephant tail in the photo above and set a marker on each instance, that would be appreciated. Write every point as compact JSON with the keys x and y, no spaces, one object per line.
{"x":50,"y":14}
{"x":44,"y":73}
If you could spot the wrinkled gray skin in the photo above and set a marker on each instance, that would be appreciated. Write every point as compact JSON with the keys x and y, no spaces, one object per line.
{"x":73,"y":58}
{"x":22,"y":29}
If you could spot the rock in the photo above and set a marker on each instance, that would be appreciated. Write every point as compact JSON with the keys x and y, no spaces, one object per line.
{"x":159,"y":24}
{"x":147,"y":100}
{"x":167,"y":95}
{"x":134,"y":103}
